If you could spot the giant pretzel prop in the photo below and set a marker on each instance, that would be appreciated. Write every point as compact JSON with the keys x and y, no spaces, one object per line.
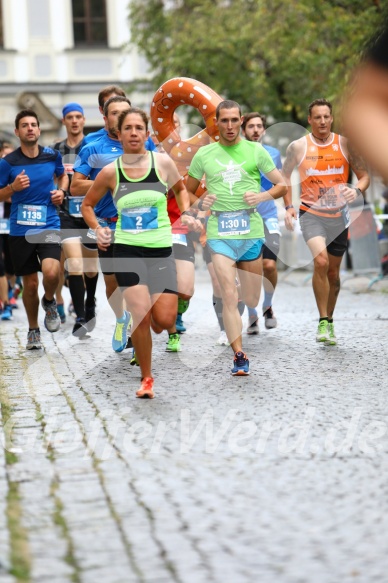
{"x":172,"y":94}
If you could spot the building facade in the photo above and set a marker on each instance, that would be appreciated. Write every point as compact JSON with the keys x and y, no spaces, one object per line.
{"x":56,"y":51}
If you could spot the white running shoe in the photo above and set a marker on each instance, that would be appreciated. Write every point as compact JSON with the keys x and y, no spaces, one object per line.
{"x":223,"y":339}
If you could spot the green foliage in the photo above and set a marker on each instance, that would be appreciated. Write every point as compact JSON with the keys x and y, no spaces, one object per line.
{"x":272,"y":56}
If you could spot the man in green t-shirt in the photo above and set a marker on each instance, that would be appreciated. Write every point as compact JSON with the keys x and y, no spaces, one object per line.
{"x":235,"y":233}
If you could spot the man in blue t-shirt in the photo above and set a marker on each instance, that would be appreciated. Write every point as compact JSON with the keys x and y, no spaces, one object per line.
{"x":27,"y":176}
{"x":104,"y":95}
{"x":253,"y":128}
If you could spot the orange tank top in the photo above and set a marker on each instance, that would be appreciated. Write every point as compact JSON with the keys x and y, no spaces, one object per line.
{"x":322,"y":169}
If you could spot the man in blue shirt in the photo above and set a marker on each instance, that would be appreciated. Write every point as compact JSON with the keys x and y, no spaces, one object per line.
{"x":253,"y":128}
{"x":104,"y":95}
{"x":92,"y":158}
{"x":27,"y":176}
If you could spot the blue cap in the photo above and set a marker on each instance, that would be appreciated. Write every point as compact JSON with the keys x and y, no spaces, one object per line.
{"x":72,"y":107}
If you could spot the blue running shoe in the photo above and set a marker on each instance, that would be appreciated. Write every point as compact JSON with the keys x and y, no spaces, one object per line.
{"x":119,"y":340}
{"x":7,"y":313}
{"x":240,"y":365}
{"x":180,"y":327}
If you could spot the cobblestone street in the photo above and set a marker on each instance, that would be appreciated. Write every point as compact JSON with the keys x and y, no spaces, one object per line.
{"x":279,"y":477}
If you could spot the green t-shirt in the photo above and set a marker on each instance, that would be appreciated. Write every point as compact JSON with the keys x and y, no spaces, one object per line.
{"x":230,"y":171}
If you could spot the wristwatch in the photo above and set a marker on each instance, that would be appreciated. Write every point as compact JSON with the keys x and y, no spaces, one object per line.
{"x":289,"y":206}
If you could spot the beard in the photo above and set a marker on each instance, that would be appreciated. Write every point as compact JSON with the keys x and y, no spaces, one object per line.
{"x":113,"y":131}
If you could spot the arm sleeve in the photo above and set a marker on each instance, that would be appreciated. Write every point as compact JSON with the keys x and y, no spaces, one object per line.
{"x":59,"y":167}
{"x":82,"y":163}
{"x":265,"y":162}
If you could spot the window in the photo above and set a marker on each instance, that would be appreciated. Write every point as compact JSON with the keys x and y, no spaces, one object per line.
{"x":89,"y":22}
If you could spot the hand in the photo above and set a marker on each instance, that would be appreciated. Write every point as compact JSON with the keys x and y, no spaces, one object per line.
{"x":348,"y":193}
{"x":207,"y":201}
{"x":57,"y":196}
{"x":191,"y":223}
{"x":104,"y":237}
{"x":290,"y":218}
{"x":21,"y":181}
{"x":251,"y":198}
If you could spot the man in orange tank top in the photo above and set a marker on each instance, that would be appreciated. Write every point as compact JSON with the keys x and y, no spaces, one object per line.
{"x":323,"y":160}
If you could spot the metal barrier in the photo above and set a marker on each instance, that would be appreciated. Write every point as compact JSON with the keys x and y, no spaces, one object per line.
{"x":364,"y":249}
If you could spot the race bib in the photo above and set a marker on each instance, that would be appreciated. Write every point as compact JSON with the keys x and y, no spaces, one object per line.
{"x":138,"y":220}
{"x":35,"y":215}
{"x":179,"y":239}
{"x":233,"y":223}
{"x":272,"y":225}
{"x":74,"y":205}
{"x":4,"y":226}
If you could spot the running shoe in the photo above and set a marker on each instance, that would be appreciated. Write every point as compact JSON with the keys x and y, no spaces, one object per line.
{"x":71,"y":310}
{"x":180,"y":327}
{"x":332,"y":340}
{"x":17,"y":290}
{"x":33,"y":340}
{"x":240,"y":364}
{"x":146,"y":390}
{"x":174,"y":343}
{"x":253,"y":326}
{"x":13,"y":303}
{"x":323,"y":331}
{"x":52,"y":321}
{"x":80,"y":328}
{"x":134,"y":361}
{"x":61,"y":312}
{"x":7,"y":313}
{"x":90,"y":315}
{"x":269,"y":319}
{"x":223,"y":339}
{"x":120,"y":336}
{"x":183,"y":306}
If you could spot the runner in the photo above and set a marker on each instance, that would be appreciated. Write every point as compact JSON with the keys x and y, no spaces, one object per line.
{"x":92,"y":158}
{"x":26,"y":175}
{"x":323,"y":160}
{"x":144,"y":264}
{"x":235,"y":233}
{"x":253,"y":128}
{"x":73,"y":227}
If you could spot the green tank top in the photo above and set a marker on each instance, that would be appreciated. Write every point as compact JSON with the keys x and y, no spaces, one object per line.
{"x":142,"y":208}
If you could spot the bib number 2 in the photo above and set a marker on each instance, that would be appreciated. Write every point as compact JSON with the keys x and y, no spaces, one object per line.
{"x":138,"y":220}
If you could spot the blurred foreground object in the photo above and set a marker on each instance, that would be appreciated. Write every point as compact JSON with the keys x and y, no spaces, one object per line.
{"x":366,"y":106}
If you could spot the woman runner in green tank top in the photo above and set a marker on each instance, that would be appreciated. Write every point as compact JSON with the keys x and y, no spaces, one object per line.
{"x":145,"y":270}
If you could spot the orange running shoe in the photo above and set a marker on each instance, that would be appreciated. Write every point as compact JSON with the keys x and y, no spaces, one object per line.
{"x":146,"y":390}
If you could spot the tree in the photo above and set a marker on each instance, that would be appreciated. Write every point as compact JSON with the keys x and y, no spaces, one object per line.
{"x":272,"y":56}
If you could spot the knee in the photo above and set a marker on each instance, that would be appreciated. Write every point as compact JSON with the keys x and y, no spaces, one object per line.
{"x":230,"y":298}
{"x":321,"y":263}
{"x":269,"y":268}
{"x":74,"y":266}
{"x":51,"y":274}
